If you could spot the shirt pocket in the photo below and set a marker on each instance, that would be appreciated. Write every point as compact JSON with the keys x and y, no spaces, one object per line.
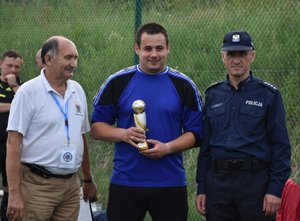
{"x":251,"y":119}
{"x":216,"y":117}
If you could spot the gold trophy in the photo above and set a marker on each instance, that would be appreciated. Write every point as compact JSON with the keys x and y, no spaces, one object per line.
{"x":139,"y":116}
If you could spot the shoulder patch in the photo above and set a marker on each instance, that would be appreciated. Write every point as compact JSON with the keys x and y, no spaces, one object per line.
{"x":268,"y":85}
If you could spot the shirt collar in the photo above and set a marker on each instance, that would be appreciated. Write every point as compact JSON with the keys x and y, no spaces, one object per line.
{"x":156,"y":74}
{"x":242,"y":83}
{"x":49,"y":88}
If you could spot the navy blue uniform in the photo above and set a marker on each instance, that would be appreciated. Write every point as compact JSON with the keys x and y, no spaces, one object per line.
{"x":246,"y":147}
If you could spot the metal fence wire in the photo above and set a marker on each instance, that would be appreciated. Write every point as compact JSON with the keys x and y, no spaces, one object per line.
{"x":103,"y":31}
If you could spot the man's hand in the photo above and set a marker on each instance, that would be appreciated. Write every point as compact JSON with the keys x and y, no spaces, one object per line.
{"x":200,"y":203}
{"x":89,"y":191}
{"x":133,"y":136}
{"x":15,"y":207}
{"x":11,"y":79}
{"x":159,"y":149}
{"x":271,"y":204}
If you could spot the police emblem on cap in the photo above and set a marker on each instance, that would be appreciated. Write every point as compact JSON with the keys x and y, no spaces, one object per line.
{"x":68,"y":157}
{"x":237,"y":41}
{"x":236,"y":38}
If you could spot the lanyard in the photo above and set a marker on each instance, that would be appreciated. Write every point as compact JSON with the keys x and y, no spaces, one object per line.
{"x":65,"y":113}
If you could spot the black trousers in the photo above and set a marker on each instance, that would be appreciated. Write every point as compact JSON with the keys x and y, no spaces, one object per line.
{"x":132,"y":203}
{"x":236,"y":195}
{"x":4,"y":207}
{"x":2,"y":163}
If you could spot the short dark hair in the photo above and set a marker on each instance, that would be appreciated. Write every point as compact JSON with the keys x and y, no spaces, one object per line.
{"x":151,"y":29}
{"x":12,"y":54}
{"x":51,"y":47}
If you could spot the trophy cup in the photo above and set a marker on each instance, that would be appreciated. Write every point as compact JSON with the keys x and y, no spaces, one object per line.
{"x":139,"y":116}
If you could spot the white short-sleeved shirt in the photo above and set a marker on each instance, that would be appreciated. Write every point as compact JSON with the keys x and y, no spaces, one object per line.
{"x":38,"y":118}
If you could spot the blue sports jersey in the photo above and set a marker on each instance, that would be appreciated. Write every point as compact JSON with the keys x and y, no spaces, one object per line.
{"x":173,"y":106}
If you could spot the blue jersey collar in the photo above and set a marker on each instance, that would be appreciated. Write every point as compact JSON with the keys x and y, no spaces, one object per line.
{"x":156,"y":74}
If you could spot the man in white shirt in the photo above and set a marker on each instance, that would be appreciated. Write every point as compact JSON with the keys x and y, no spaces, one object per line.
{"x":46,"y":140}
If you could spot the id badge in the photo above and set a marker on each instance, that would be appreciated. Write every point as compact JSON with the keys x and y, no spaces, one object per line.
{"x":67,"y":159}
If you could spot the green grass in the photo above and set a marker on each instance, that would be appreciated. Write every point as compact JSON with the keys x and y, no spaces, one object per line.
{"x":103,"y":31}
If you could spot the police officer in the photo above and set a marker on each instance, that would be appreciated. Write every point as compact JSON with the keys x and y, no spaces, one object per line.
{"x":244,"y":161}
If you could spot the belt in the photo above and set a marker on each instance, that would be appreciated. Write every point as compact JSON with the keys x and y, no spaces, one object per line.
{"x":238,"y":164}
{"x":41,"y":171}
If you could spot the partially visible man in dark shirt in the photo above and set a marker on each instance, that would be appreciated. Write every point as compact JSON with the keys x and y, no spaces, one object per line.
{"x":10,"y":66}
{"x":244,"y":161}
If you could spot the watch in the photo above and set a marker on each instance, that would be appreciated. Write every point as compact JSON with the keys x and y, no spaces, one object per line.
{"x":88,"y":180}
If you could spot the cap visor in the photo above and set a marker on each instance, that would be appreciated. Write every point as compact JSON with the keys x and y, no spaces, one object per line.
{"x":237,"y":48}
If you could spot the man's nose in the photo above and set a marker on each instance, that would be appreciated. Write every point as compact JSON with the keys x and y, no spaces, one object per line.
{"x":13,"y":69}
{"x":74,"y":63}
{"x":153,"y":53}
{"x":236,"y":59}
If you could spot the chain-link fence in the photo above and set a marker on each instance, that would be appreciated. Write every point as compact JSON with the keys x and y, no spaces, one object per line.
{"x":103,"y":31}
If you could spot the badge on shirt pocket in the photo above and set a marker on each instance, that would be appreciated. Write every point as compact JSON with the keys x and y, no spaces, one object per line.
{"x":67,"y":159}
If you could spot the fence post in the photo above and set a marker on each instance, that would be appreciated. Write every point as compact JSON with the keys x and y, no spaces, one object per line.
{"x":138,"y":20}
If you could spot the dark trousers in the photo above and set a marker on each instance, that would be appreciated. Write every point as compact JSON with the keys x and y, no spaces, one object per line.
{"x":3,"y":163}
{"x":4,"y":206}
{"x":236,"y":195}
{"x":4,"y":180}
{"x":132,"y":203}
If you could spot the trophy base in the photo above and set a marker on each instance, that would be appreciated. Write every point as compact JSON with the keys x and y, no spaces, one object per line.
{"x":143,"y":146}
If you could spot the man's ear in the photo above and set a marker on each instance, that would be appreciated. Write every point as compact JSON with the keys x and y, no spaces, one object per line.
{"x":136,"y":48}
{"x":47,"y":58}
{"x":223,"y":56}
{"x":253,"y":56}
{"x":168,"y":48}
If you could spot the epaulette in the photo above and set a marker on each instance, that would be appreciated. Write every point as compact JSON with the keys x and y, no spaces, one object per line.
{"x":268,"y":85}
{"x":213,"y":85}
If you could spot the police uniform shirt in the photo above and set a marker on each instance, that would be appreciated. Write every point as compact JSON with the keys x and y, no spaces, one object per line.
{"x":247,"y":123}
